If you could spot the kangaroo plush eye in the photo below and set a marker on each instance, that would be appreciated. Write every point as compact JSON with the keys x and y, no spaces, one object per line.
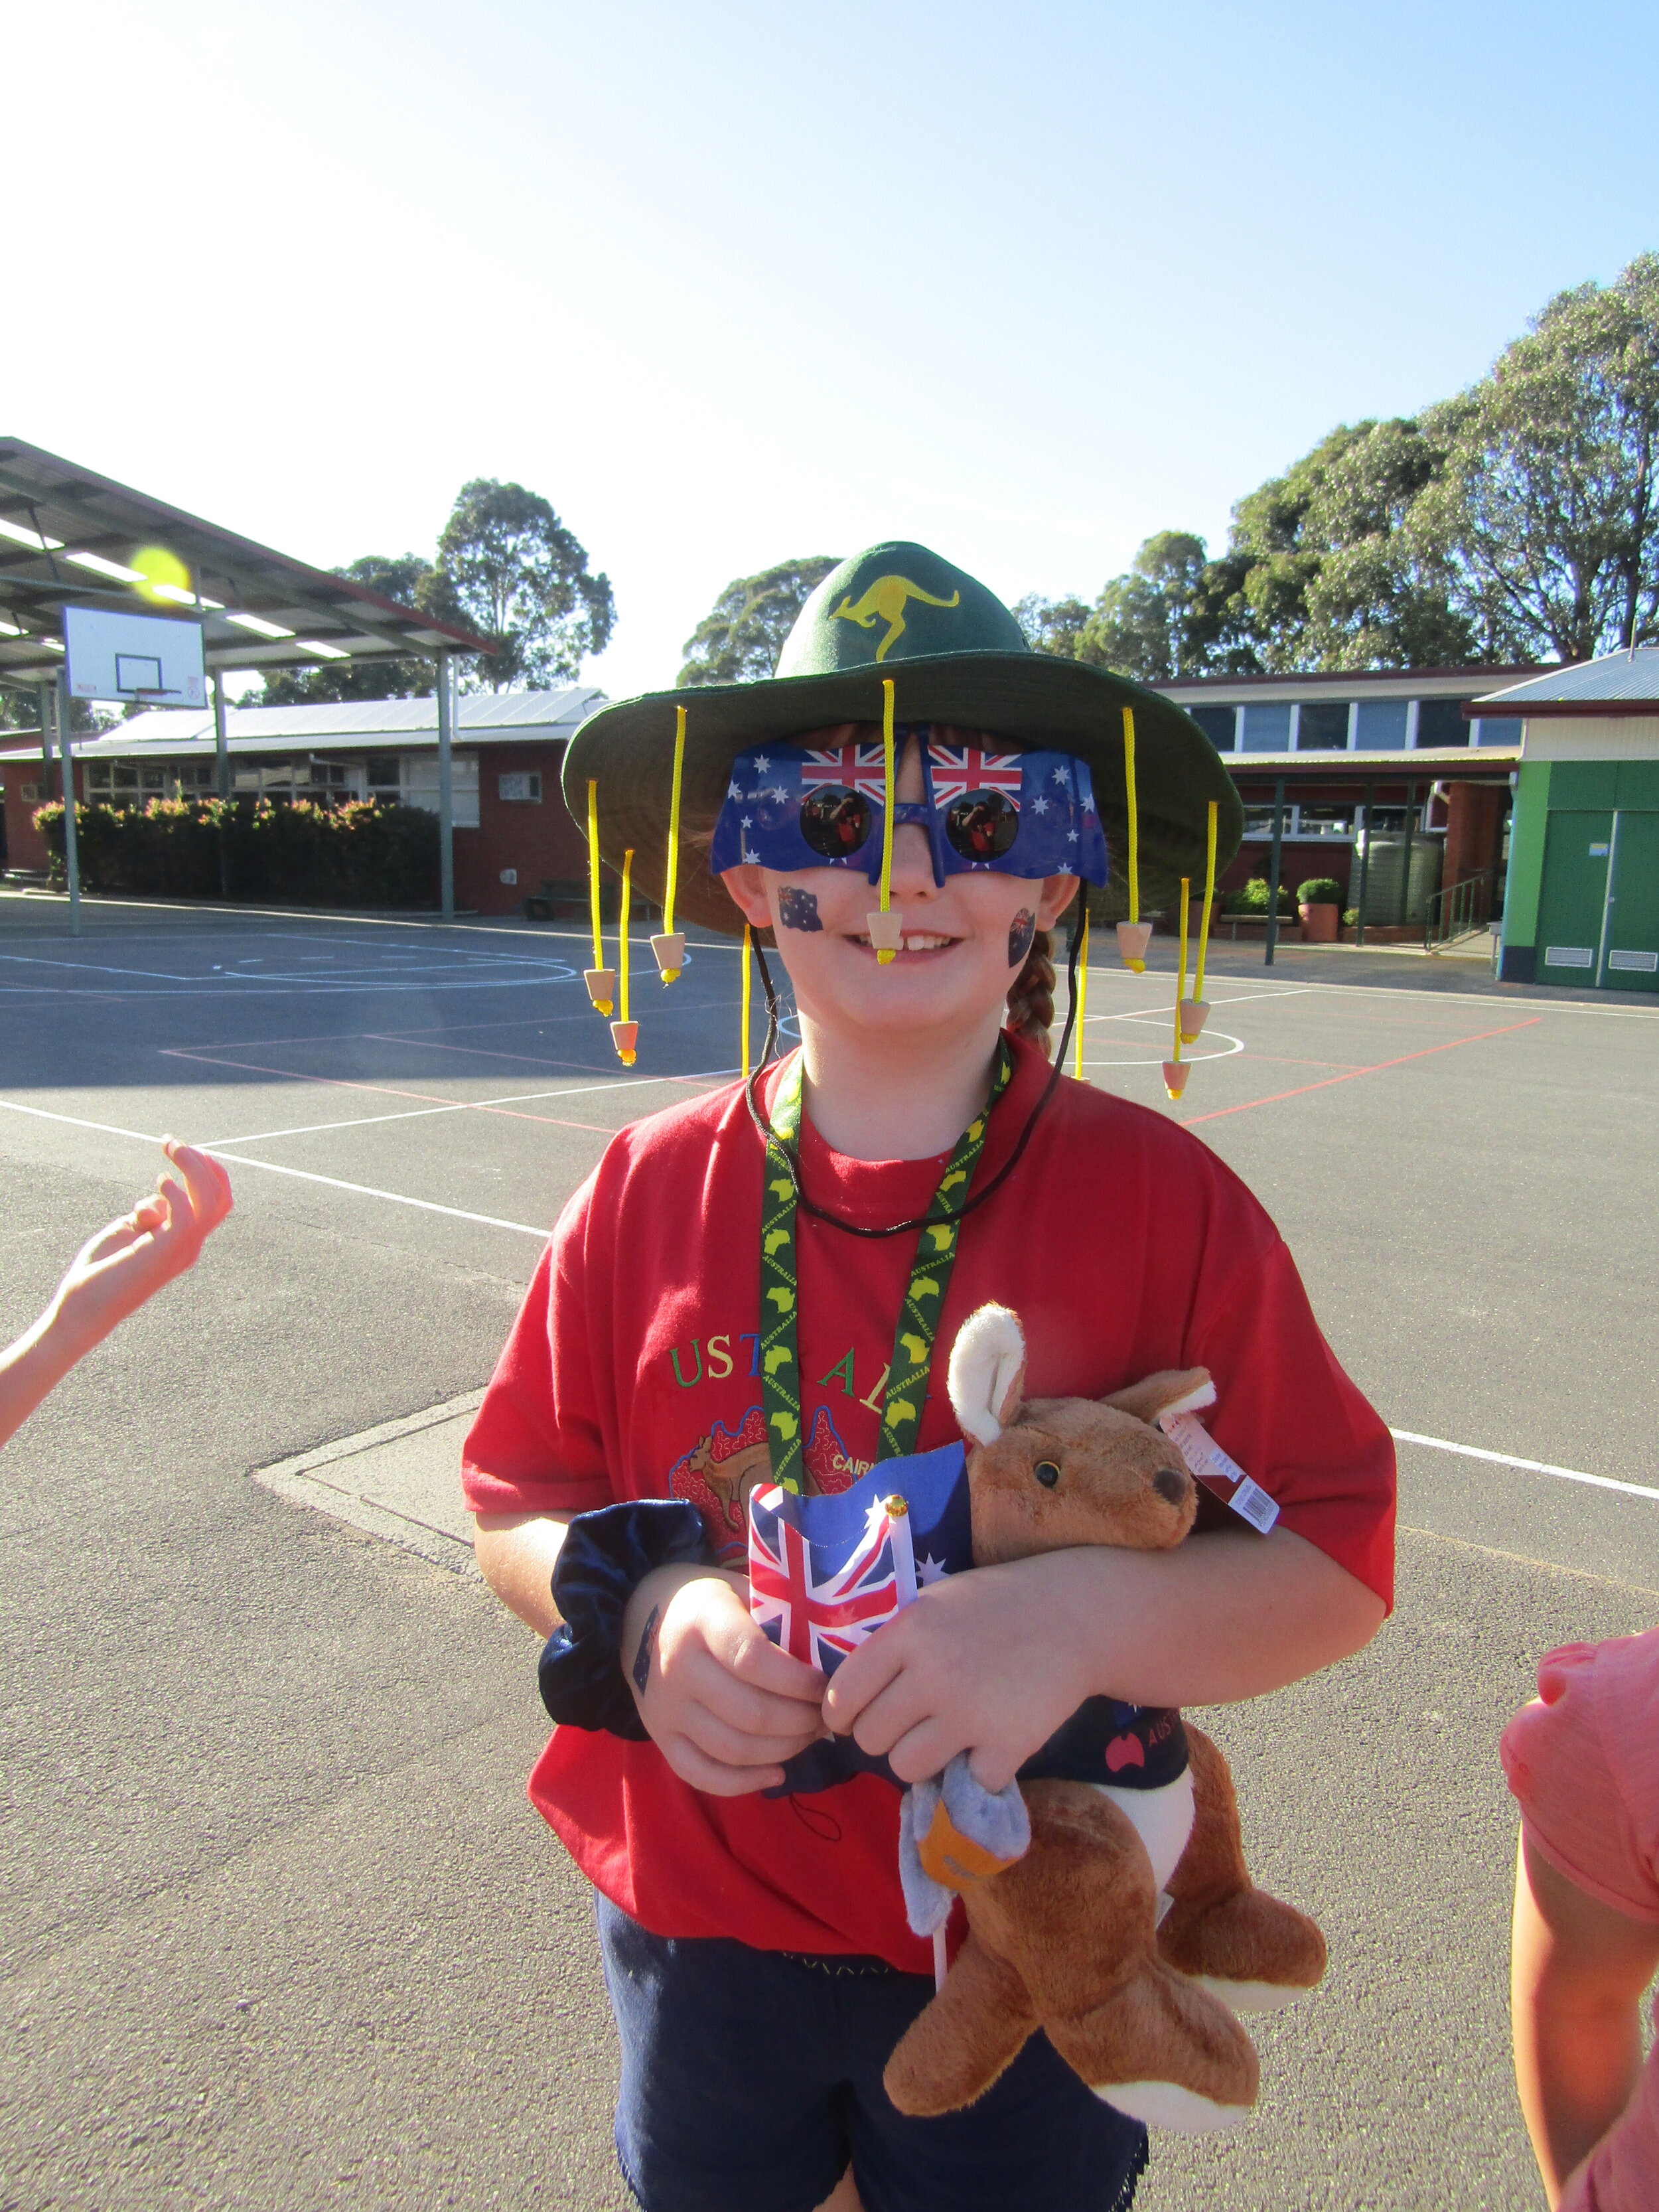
{"x":1047,"y":1472}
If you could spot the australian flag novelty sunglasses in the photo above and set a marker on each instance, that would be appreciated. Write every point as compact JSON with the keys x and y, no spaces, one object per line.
{"x":791,"y":806}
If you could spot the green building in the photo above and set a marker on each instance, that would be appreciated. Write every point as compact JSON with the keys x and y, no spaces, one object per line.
{"x":1582,"y":904}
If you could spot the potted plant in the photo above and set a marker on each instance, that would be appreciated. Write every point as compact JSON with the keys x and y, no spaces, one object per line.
{"x":1319,"y":902}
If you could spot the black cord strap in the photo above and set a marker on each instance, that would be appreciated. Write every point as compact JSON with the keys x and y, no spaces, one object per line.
{"x":932,"y":1219}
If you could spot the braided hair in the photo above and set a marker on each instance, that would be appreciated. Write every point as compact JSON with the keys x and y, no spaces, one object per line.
{"x":1032,"y":998}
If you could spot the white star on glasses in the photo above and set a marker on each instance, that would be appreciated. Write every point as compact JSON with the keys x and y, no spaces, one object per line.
{"x":1039,"y":806}
{"x":1062,"y":776}
{"x":763,"y":766}
{"x":748,"y":822}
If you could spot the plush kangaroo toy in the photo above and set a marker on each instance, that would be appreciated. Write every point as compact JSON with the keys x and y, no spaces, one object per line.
{"x":1069,"y":1937}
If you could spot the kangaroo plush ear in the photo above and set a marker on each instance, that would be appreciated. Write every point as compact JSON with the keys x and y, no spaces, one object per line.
{"x":988,"y":1367}
{"x":1175,"y":1390}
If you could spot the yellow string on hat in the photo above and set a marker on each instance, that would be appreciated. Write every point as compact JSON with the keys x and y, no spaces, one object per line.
{"x":673,"y":882}
{"x":1134,"y":812}
{"x":594,"y":867}
{"x":1209,"y":897}
{"x":624,"y":1042}
{"x":1082,"y":983}
{"x":746,"y":964}
{"x":889,"y":779}
{"x":1181,"y":981}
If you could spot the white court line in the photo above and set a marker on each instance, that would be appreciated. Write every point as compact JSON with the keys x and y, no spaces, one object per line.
{"x":319,"y":988}
{"x":1162,"y":1014}
{"x":461,"y":1106}
{"x":301,"y":1174}
{"x":524,"y":1229}
{"x":393,"y":1197}
{"x":1528,"y":1465}
{"x":1522,"y":996}
{"x":408,"y":964}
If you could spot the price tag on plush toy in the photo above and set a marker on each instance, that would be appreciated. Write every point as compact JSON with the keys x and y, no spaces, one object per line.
{"x":1212,"y":1466}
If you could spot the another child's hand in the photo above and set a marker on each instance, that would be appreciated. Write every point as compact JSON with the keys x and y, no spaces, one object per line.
{"x":123,"y":1265}
{"x":725,"y":1705}
{"x":988,"y":1663}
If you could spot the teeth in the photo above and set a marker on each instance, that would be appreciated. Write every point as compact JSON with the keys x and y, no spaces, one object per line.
{"x":914,"y":944}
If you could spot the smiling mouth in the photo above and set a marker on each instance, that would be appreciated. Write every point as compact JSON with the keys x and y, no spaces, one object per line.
{"x":917,"y":941}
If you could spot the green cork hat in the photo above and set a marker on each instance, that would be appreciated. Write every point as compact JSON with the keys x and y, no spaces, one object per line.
{"x":956,"y":655}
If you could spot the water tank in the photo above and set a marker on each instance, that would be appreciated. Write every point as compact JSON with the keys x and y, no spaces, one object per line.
{"x":1384,"y":870}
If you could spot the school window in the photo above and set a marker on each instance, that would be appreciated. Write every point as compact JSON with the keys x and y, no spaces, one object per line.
{"x":124,"y":783}
{"x":1266,"y":729}
{"x":1381,"y":725}
{"x":520,"y":785}
{"x":1441,"y":722}
{"x":383,"y":775}
{"x":1323,"y":728}
{"x":420,"y":785}
{"x":1219,"y":724}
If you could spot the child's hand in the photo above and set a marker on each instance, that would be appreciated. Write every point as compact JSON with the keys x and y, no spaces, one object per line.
{"x":725,"y":1705}
{"x":123,"y":1265}
{"x":988,"y":1663}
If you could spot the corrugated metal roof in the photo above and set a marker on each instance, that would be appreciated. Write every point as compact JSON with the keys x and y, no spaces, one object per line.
{"x":1628,"y":678}
{"x":482,"y":718}
{"x":258,"y":608}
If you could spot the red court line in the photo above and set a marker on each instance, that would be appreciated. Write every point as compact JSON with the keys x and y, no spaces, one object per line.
{"x":1450,"y":1045}
{"x":1292,"y":1059}
{"x":383,"y":1090}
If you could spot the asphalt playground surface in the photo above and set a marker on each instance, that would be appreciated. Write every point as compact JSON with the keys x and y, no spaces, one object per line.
{"x":280,"y":1928}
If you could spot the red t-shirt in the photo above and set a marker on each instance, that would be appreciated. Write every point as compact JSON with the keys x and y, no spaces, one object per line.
{"x":1124,"y":1245}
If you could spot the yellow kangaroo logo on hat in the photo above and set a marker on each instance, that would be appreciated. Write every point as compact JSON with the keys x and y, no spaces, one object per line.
{"x":885,"y":597}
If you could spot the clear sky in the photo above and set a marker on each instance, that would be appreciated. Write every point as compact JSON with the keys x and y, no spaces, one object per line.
{"x":731,"y":282}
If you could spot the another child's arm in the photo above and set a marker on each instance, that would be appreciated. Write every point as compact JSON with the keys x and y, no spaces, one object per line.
{"x":993,"y":1662}
{"x":1578,"y":1969}
{"x":112,"y":1275}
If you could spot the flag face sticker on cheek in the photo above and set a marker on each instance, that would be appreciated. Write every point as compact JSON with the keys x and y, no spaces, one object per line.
{"x":790,"y":807}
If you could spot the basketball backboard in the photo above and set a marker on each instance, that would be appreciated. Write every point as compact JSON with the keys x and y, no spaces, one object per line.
{"x":150,"y":658}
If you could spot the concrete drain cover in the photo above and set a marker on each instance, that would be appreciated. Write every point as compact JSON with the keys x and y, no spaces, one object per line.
{"x":401,"y":1480}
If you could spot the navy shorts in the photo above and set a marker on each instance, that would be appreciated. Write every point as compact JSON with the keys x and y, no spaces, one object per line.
{"x":752,"y":2079}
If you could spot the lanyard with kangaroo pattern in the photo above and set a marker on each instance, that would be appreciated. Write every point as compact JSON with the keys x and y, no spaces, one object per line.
{"x":906,"y":1380}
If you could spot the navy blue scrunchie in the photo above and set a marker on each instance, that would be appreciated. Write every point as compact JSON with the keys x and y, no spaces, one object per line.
{"x":604,"y":1557}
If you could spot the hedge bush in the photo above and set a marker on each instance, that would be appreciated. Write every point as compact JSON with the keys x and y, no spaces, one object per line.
{"x":1319,"y":891}
{"x":1253,"y":899}
{"x":366,"y":852}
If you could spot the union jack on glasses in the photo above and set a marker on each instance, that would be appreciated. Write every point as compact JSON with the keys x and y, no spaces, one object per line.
{"x":958,"y":769}
{"x":846,"y":767}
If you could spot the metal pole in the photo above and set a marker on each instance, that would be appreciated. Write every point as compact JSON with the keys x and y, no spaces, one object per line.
{"x":221,"y":741}
{"x":42,"y":708}
{"x":221,"y":776}
{"x":1272,"y":872}
{"x":1406,"y":859}
{"x":445,"y":790}
{"x":71,"y":851}
{"x":1364,"y":863}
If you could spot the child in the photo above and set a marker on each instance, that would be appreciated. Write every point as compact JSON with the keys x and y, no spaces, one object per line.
{"x":1583,"y":1761}
{"x":719,"y":1308}
{"x":112,"y":1275}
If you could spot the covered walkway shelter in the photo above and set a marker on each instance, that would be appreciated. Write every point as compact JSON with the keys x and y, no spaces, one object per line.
{"x":70,"y":537}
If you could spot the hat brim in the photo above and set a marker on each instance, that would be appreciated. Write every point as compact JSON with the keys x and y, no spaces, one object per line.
{"x":1035,"y":699}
